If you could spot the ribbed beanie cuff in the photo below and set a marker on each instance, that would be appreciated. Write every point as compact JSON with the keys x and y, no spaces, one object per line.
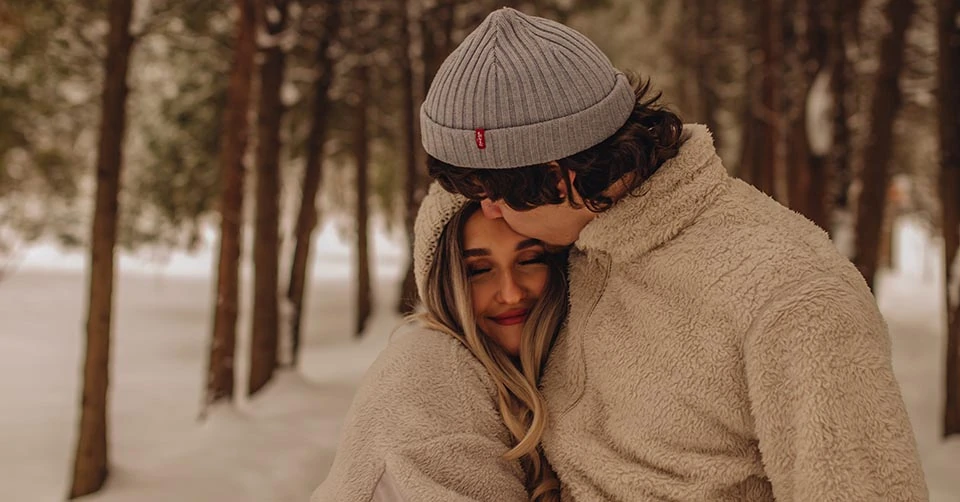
{"x":522,"y":90}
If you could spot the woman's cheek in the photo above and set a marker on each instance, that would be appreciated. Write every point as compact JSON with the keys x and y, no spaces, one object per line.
{"x":538,"y":281}
{"x":478,"y":295}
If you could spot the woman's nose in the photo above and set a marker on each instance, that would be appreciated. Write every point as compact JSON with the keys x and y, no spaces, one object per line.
{"x":510,"y":291}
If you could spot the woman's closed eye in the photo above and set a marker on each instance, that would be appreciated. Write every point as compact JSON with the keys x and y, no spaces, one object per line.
{"x":478,"y":269}
{"x":535,"y":259}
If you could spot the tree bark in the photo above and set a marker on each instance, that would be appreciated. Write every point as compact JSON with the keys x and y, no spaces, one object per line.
{"x":805,"y":167}
{"x":750,"y":124}
{"x":797,"y":84}
{"x":312,"y":175}
{"x":233,"y":145}
{"x":91,"y":463}
{"x":846,"y":22}
{"x":684,"y":49}
{"x":436,"y":29}
{"x":408,"y":289}
{"x":948,"y":35}
{"x":364,"y":302}
{"x":266,"y":245}
{"x":884,"y":107}
{"x":761,"y":143}
{"x":769,"y":168}
{"x":708,"y":27}
{"x":436,"y":39}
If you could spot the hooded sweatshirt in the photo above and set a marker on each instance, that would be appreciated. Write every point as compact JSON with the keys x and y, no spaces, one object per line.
{"x":718,"y":348}
{"x":424,"y":427}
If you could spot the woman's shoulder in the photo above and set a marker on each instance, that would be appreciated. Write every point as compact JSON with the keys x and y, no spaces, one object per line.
{"x":417,"y":354}
{"x":425,"y":409}
{"x":415,"y":339}
{"x":427,"y":381}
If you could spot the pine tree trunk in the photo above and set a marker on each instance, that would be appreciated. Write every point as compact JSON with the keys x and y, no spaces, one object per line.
{"x":769,"y":168}
{"x":949,"y":97}
{"x":233,"y":145}
{"x":884,"y":106}
{"x":436,"y":29}
{"x":91,"y":463}
{"x":760,"y":141}
{"x":436,"y":39}
{"x":364,"y":302}
{"x":684,"y":48}
{"x":312,"y":175}
{"x":797,"y":84}
{"x":845,"y":98}
{"x":750,"y":125}
{"x":806,"y":168}
{"x":708,"y":27}
{"x":408,"y":289}
{"x":266,"y":245}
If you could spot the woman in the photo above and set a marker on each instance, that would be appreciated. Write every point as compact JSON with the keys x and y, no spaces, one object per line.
{"x":451,"y":409}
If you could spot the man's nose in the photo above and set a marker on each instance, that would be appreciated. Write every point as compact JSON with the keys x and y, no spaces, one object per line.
{"x":490,"y":209}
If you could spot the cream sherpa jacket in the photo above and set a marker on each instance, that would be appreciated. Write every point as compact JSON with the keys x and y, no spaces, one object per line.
{"x":423,"y":427}
{"x":719,"y":348}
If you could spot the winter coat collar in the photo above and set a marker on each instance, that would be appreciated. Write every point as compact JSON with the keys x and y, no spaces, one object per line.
{"x":667,"y":203}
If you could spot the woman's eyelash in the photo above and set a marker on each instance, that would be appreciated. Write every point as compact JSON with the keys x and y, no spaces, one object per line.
{"x":541,"y":258}
{"x":476,"y":271}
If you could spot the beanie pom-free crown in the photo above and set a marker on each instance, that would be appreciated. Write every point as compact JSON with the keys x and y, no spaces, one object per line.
{"x":522,"y":90}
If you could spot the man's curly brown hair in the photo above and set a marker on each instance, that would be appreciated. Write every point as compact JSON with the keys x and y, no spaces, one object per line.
{"x":650,"y":136}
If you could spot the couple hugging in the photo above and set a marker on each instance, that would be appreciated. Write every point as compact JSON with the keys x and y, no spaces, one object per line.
{"x":608,"y":316}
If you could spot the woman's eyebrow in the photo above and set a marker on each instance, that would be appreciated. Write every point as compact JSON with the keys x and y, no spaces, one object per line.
{"x":528,"y":243}
{"x":524,"y":244}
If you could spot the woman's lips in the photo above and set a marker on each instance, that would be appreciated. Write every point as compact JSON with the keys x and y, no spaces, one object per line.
{"x":511,"y":317}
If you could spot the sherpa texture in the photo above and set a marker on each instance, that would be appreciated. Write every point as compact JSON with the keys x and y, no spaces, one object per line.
{"x":423,"y":427}
{"x":522,"y":90}
{"x":435,"y":212}
{"x":720,"y":349}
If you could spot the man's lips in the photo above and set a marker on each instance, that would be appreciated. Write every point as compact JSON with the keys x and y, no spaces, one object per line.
{"x":511,"y":317}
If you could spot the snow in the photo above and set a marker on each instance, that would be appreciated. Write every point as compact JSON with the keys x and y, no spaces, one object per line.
{"x":279,"y":445}
{"x":276,"y":447}
{"x":819,"y":123}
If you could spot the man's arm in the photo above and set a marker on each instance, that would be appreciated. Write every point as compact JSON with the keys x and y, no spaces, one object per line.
{"x":828,"y":413}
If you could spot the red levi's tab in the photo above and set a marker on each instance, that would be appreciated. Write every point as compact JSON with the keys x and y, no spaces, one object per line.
{"x":481,"y":138}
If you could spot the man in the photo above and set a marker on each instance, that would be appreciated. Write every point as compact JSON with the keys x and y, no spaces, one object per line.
{"x":718,"y":347}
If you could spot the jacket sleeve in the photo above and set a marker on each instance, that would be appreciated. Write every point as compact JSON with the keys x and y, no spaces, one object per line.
{"x":827,"y":409}
{"x":456,"y":468}
{"x":423,"y":427}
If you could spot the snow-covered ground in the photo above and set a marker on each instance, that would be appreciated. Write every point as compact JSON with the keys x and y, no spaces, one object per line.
{"x":279,"y":446}
{"x":276,"y":447}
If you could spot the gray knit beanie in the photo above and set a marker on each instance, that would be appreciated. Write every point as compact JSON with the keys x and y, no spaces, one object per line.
{"x":435,"y":212}
{"x":522,"y":90}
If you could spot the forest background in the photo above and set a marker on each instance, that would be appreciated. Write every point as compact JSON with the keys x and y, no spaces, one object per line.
{"x":260,"y":134}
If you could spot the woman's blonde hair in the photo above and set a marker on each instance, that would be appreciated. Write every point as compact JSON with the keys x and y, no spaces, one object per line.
{"x":448,"y":309}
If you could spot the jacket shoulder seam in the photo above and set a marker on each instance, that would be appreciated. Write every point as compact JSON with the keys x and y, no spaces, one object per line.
{"x":780,"y":294}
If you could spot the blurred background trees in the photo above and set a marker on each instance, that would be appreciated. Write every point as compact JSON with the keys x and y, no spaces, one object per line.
{"x":845,"y":111}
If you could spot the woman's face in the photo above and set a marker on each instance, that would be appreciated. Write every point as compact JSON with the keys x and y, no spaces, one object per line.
{"x":507,"y":273}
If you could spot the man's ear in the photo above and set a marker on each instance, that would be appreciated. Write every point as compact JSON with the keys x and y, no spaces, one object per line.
{"x":561,"y":184}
